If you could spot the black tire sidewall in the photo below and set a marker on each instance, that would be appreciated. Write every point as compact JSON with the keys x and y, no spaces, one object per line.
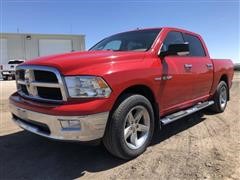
{"x":217,"y":96}
{"x":128,"y":104}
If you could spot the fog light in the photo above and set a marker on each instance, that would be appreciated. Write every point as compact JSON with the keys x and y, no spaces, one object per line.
{"x":70,"y":124}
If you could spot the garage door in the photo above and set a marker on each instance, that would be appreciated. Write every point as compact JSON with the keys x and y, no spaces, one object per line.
{"x":3,"y":51}
{"x":54,"y":46}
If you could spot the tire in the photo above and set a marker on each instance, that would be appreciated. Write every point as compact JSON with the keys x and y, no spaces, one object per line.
{"x":5,"y":78}
{"x":134,"y":115}
{"x":220,"y":97}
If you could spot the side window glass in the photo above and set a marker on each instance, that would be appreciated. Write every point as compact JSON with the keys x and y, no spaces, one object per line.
{"x":113,"y":45}
{"x":172,"y":38}
{"x":195,"y":45}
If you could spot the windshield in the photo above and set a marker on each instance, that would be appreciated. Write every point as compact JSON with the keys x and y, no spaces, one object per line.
{"x":140,"y":40}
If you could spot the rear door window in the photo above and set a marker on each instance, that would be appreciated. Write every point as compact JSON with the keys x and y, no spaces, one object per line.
{"x":195,"y":45}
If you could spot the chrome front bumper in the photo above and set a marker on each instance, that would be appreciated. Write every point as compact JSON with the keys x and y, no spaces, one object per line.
{"x":91,"y":127}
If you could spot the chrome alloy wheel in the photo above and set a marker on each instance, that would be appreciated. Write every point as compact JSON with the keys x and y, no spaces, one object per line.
{"x":223,"y":97}
{"x":137,"y":125}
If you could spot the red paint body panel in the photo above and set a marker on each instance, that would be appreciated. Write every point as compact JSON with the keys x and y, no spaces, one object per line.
{"x":122,"y":70}
{"x":222,"y":67}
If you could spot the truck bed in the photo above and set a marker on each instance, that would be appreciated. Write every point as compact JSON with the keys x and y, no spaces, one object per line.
{"x":223,"y":68}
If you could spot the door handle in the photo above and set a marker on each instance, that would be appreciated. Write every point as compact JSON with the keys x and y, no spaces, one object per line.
{"x":188,"y":66}
{"x":209,"y":66}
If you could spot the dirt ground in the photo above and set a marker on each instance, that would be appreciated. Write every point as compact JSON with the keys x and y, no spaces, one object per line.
{"x":201,"y":146}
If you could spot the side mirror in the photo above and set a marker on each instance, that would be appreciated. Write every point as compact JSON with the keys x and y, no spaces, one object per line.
{"x":176,"y":49}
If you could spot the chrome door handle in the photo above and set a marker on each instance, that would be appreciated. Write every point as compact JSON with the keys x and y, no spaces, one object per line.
{"x":209,"y":66}
{"x":188,"y":66}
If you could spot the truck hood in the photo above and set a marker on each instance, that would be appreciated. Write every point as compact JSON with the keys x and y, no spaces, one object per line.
{"x":87,"y":62}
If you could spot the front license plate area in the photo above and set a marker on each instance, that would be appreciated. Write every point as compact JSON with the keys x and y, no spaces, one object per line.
{"x":22,"y":114}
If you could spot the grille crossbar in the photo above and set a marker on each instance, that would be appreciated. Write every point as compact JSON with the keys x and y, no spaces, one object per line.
{"x":40,"y":84}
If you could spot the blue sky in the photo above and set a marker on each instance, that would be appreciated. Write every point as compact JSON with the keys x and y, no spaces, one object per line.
{"x":217,"y":21}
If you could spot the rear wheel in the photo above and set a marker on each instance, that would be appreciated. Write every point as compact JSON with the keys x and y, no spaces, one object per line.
{"x":220,"y":97}
{"x":130,"y":127}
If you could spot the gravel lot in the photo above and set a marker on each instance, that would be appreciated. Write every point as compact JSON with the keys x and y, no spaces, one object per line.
{"x":201,"y":146}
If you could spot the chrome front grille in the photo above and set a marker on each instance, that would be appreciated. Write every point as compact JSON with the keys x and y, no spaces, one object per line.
{"x":40,"y":83}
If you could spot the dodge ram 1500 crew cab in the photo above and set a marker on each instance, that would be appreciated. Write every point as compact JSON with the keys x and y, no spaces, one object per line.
{"x":121,"y":89}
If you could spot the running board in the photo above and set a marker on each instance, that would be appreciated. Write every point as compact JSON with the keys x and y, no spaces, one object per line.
{"x":178,"y":115}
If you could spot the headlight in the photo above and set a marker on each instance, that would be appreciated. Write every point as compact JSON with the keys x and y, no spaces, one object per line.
{"x":87,"y":86}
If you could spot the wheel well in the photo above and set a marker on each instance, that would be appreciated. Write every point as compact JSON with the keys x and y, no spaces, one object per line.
{"x":225,"y":79}
{"x":144,"y":91}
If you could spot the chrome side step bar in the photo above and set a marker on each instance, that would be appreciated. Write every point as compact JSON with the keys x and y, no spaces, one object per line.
{"x":178,"y":115}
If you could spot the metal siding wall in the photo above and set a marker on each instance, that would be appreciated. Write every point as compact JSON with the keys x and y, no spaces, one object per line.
{"x":15,"y":47}
{"x":79,"y":44}
{"x":19,"y":47}
{"x":54,"y":46}
{"x":3,"y":51}
{"x":83,"y":43}
{"x":31,"y":47}
{"x":76,"y":44}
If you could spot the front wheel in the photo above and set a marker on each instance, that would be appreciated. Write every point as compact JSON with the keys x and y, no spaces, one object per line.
{"x":5,"y":78}
{"x":130,"y":128}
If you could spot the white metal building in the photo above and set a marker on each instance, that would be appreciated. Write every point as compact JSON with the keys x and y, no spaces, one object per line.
{"x":28,"y":46}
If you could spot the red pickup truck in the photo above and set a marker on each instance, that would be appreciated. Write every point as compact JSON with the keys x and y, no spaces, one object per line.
{"x":121,"y":89}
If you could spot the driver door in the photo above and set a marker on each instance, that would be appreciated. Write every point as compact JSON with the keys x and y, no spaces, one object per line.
{"x":176,"y":84}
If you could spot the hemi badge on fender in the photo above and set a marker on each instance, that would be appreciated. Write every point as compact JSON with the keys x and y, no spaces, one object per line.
{"x":163,"y":78}
{"x":166,"y":77}
{"x":158,"y":79}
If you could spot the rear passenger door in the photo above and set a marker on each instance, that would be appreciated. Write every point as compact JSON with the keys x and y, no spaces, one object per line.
{"x":202,"y":67}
